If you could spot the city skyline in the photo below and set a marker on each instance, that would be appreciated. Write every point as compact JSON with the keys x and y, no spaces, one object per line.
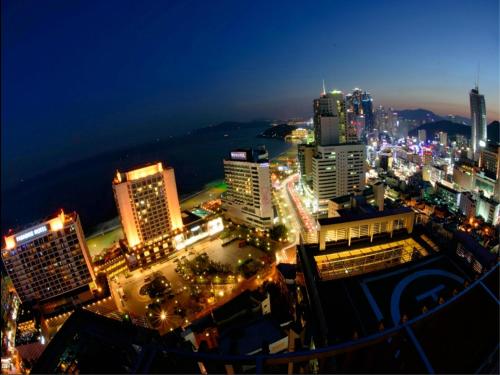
{"x":87,"y":82}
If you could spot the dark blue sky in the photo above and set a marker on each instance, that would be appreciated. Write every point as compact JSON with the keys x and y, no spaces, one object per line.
{"x":81,"y":77}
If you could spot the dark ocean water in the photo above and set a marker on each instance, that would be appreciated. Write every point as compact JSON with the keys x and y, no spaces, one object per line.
{"x":85,"y":186}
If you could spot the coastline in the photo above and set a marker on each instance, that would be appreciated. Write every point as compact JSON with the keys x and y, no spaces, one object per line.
{"x":105,"y":234}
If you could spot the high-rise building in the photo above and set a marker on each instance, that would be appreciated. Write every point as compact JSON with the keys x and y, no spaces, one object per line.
{"x":248,"y":197}
{"x":478,"y":121}
{"x":337,"y":170}
{"x":489,"y":161}
{"x":48,"y":259}
{"x":359,"y":105}
{"x":305,"y":153}
{"x":330,"y":126}
{"x":147,"y":201}
{"x":443,"y":138}
{"x":422,"y":136}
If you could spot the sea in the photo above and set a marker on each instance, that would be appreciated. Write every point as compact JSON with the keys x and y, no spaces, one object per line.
{"x":85,"y":186}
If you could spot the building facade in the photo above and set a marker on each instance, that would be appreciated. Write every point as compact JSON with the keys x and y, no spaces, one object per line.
{"x":364,"y":226}
{"x":422,"y":136}
{"x":359,"y":105}
{"x":489,"y":160}
{"x":478,"y":121}
{"x":337,"y":170}
{"x":248,"y":198}
{"x":305,"y":153}
{"x":330,"y":123}
{"x":48,"y":259}
{"x":147,"y":201}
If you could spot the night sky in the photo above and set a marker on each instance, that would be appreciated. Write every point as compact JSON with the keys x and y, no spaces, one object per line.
{"x":82,"y":77}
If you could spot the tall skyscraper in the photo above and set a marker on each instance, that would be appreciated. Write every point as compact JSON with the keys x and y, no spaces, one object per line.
{"x":422,"y":136}
{"x":48,"y":259}
{"x":443,"y":138}
{"x":330,"y":126}
{"x":305,"y":153}
{"x":337,"y":170}
{"x":147,"y":201}
{"x":478,"y":121}
{"x":248,"y":197}
{"x":359,"y":106}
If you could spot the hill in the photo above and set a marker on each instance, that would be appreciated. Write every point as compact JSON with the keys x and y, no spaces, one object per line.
{"x":419,"y":115}
{"x":279,"y":131}
{"x":452,"y":128}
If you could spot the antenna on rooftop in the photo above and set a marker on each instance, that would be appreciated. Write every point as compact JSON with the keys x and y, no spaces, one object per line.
{"x":477,"y":76}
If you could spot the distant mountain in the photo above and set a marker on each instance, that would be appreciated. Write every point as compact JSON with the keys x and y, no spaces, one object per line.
{"x":278,"y":131}
{"x":452,"y":128}
{"x":231,"y":125}
{"x":432,"y":128}
{"x":459,"y":119}
{"x":421,"y":116}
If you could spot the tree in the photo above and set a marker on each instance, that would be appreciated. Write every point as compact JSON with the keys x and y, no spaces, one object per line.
{"x":277,"y":232}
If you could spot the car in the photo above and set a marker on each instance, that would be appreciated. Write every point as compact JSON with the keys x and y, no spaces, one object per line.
{"x":147,"y":279}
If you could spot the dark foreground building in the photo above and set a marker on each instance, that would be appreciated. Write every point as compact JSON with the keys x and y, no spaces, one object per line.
{"x":458,"y":334}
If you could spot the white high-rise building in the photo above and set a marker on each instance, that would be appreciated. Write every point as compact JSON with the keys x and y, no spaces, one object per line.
{"x":337,"y":170}
{"x":248,"y":197}
{"x":478,"y":121}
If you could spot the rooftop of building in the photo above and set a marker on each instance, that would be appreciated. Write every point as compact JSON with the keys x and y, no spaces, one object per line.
{"x":362,"y":213}
{"x":355,"y":307}
{"x":139,"y":172}
{"x":345,"y":144}
{"x":448,"y":187}
{"x":250,"y":336}
{"x":366,"y":192}
{"x":252,"y":155}
{"x":189,"y":218}
{"x":91,"y":343}
{"x":37,"y":229}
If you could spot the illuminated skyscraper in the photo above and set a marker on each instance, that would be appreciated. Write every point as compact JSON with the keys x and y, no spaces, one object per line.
{"x":359,"y":106}
{"x":422,"y":136}
{"x":330,"y":126}
{"x":337,"y":170}
{"x":147,"y":201}
{"x":248,"y":197}
{"x":478,"y":121}
{"x":48,"y":259}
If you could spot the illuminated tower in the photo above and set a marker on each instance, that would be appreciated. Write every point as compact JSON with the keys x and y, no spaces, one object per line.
{"x":478,"y":121}
{"x":330,"y":126}
{"x":48,"y":259}
{"x":147,"y":201}
{"x":359,"y":107}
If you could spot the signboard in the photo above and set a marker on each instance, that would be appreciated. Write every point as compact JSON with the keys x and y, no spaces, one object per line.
{"x":239,"y":155}
{"x":32,"y":233}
